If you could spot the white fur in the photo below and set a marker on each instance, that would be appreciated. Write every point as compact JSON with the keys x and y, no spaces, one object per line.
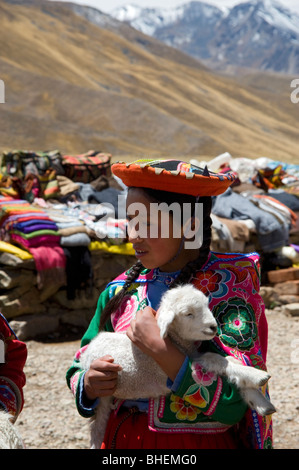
{"x":9,"y":436}
{"x":184,"y":316}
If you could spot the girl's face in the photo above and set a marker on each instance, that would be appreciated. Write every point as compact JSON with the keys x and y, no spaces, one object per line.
{"x":155,"y":236}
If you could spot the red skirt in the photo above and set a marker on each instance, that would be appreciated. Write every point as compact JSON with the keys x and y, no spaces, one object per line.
{"x":129,"y":430}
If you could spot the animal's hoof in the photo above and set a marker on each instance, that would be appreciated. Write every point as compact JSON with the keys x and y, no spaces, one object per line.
{"x":269,"y":410}
{"x":254,"y":378}
{"x":264,"y":380}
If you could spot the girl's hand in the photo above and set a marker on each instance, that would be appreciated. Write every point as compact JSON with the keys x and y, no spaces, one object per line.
{"x":101,"y":379}
{"x":145,"y":334}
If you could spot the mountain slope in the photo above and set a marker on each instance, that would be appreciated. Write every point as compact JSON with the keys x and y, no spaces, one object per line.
{"x":74,"y":86}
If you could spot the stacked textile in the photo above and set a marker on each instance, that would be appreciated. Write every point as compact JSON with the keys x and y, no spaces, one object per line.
{"x":260,"y":211}
{"x":272,"y":226}
{"x":79,"y":223}
{"x":230,"y":235}
{"x":27,"y":225}
{"x":278,"y":175}
{"x":33,"y":230}
{"x":25,"y":174}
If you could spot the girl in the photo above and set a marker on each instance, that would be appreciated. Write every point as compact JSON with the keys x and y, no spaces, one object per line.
{"x":201,"y":410}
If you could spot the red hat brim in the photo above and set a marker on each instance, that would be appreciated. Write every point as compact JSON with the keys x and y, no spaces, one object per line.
{"x":187,"y":179}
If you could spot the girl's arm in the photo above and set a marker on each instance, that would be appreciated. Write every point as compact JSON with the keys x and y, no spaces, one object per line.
{"x":101,"y":378}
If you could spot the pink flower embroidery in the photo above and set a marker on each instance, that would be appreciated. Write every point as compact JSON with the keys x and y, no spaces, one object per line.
{"x":123,"y":315}
{"x":80,"y":352}
{"x":202,"y":376}
{"x":74,"y":382}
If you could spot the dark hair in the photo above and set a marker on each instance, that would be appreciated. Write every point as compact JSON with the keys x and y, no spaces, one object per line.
{"x":187,"y":271}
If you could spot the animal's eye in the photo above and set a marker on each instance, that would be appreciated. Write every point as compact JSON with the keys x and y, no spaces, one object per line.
{"x":189,"y":315}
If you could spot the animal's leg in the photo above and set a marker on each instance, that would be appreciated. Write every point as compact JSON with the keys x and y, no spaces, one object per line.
{"x":99,"y":422}
{"x":257,"y":401}
{"x":248,"y":376}
{"x":237,"y":373}
{"x":247,"y":379}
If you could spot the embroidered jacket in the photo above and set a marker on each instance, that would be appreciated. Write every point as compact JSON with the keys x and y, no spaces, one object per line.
{"x":200,"y":401}
{"x":13,"y":354}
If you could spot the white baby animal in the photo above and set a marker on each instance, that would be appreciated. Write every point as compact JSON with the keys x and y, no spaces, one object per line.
{"x":9,"y":436}
{"x":184,"y":316}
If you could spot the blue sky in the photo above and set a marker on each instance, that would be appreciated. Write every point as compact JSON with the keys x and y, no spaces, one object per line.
{"x":108,"y":5}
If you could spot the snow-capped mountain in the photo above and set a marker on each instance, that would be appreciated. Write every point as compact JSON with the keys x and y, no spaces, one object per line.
{"x":146,"y":20}
{"x":151,"y":20}
{"x":261,"y":34}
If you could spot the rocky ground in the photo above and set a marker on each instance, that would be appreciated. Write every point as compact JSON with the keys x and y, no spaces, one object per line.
{"x":49,"y":419}
{"x":283,"y":364}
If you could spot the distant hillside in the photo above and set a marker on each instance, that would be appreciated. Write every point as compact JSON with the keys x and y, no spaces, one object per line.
{"x":73,"y":85}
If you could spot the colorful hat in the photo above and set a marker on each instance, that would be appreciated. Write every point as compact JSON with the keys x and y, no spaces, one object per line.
{"x":174,"y":176}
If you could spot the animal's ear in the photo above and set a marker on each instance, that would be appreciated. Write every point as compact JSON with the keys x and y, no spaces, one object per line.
{"x":164,"y":321}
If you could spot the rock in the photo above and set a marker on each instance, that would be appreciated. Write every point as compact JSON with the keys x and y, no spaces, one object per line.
{"x":281,"y":275}
{"x":48,"y":291}
{"x":9,"y":259}
{"x":289,"y":287}
{"x":30,"y":326}
{"x":75,"y":318}
{"x":29,"y":302}
{"x":270,"y":296}
{"x":83,"y":299}
{"x":108,"y":265}
{"x":16,"y":294}
{"x":292,"y":309}
{"x":11,"y":277}
{"x":288,"y":299}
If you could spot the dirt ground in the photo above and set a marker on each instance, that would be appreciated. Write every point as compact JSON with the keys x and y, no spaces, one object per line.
{"x":49,"y":419}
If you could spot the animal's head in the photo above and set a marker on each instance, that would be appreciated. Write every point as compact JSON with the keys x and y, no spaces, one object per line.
{"x":185,"y":310}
